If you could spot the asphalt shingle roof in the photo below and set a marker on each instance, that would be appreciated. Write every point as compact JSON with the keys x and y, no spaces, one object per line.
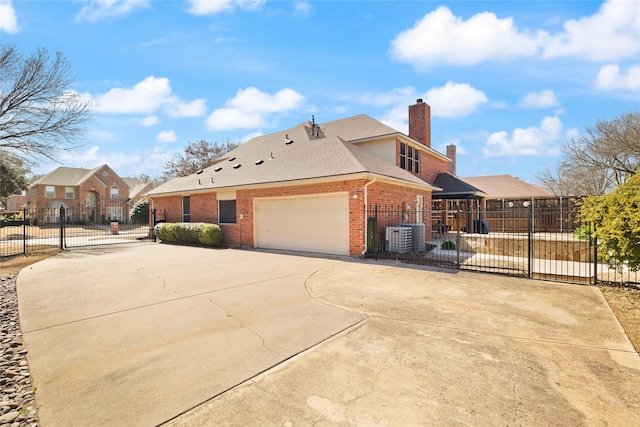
{"x":454,"y":187}
{"x":507,"y":187}
{"x":269,"y":159}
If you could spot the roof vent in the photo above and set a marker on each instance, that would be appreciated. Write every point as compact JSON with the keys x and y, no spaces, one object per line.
{"x":287,"y":141}
{"x":237,"y":165}
{"x":212,"y":180}
{"x":259,"y":162}
{"x":218,"y":169}
{"x":232,"y":159}
{"x":199,"y":172}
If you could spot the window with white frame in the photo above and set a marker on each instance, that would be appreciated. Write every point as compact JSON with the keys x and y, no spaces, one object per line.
{"x":69,"y":193}
{"x":115,"y":193}
{"x":50,"y":192}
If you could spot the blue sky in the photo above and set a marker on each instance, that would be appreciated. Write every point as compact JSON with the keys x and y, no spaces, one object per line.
{"x":508,"y":82}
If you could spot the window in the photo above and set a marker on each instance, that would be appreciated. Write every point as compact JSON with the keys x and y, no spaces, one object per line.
{"x":186,"y":209}
{"x":409,"y":158}
{"x":115,"y":193}
{"x":69,"y":193}
{"x":115,"y":213}
{"x":50,"y":192}
{"x":227,"y":211}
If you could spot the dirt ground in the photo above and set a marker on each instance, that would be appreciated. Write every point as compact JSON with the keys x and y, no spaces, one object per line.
{"x":624,"y":301}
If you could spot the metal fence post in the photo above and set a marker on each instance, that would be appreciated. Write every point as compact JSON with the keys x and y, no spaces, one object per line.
{"x":153,"y":226}
{"x":595,"y":256}
{"x":62,"y":213}
{"x":24,"y":231}
{"x":529,"y":241}
{"x":457,"y":236}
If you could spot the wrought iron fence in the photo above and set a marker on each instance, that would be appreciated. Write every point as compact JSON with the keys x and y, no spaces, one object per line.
{"x":49,"y":228}
{"x":536,"y":241}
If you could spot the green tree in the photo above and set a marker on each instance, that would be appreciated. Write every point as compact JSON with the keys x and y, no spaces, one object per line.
{"x":12,"y":176}
{"x":616,"y":217}
{"x":139,"y":213}
{"x":40,"y":115}
{"x":196,"y":156}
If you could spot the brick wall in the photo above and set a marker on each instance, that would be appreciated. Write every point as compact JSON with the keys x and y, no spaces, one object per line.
{"x":204,"y":207}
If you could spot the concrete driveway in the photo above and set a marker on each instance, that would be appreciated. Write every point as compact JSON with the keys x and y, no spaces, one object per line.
{"x":150,"y":334}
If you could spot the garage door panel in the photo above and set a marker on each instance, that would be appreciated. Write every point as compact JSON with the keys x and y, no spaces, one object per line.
{"x":304,"y":224}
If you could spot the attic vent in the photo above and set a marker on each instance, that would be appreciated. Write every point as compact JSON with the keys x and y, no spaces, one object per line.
{"x":237,"y":165}
{"x":199,"y":172}
{"x":259,"y":162}
{"x":218,"y":169}
{"x":232,"y":159}
{"x":212,"y":180}
{"x":287,"y":140}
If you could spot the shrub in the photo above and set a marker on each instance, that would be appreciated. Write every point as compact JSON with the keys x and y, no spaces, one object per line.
{"x":189,"y":233}
{"x":166,"y":231}
{"x":448,"y":245}
{"x":210,"y":235}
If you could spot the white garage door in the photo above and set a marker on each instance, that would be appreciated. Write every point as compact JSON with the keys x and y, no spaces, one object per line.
{"x":308,"y":224}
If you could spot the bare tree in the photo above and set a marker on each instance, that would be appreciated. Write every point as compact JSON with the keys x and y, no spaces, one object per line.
{"x":40,"y":115}
{"x":601,"y":159}
{"x":196,"y":156}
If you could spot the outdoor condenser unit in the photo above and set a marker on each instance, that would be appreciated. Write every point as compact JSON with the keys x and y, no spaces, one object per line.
{"x":398,"y":239}
{"x":417,"y":235}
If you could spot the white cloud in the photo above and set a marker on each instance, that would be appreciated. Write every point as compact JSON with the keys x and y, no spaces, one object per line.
{"x":543,"y":99}
{"x":612,"y":33}
{"x":609,"y":78}
{"x":8,"y":18}
{"x":96,"y":10}
{"x":440,"y":37}
{"x":93,"y":157}
{"x":454,"y":100}
{"x":149,"y":121}
{"x":146,"y":97}
{"x":250,"y":109}
{"x":195,"y":108}
{"x":166,"y":136}
{"x":302,"y":8}
{"x":533,"y":141}
{"x":211,"y":7}
{"x":401,"y":95}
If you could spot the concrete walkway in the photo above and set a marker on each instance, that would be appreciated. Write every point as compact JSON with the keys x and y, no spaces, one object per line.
{"x":150,"y":334}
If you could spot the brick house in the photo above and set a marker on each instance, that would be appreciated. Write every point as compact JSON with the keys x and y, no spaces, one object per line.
{"x":96,"y":195}
{"x":308,"y":188}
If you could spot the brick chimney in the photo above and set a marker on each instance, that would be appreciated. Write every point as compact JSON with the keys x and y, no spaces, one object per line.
{"x":451,"y":153}
{"x":420,"y":122}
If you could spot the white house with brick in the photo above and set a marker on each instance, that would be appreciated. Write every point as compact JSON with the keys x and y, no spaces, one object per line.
{"x":308,"y":188}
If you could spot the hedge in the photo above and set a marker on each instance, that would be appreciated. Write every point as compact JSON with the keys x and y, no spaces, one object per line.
{"x":190,"y":233}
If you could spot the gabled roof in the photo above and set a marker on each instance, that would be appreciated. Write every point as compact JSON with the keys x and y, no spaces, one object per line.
{"x":507,"y":187}
{"x":455,"y":188}
{"x":72,"y":177}
{"x":66,"y":176}
{"x":268,"y":159}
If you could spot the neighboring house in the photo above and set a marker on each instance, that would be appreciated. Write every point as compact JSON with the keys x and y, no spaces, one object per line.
{"x":308,"y":188}
{"x":16,"y":201}
{"x":91,"y":195}
{"x":507,"y":188}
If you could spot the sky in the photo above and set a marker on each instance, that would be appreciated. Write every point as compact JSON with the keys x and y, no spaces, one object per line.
{"x":508,"y":82}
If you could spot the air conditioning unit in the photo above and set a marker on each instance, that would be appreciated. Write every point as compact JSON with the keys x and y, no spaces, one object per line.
{"x":398,"y":239}
{"x":417,"y":235}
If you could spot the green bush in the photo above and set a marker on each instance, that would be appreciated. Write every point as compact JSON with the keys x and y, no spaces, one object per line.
{"x":210,"y":235}
{"x":448,"y":246}
{"x":189,"y":233}
{"x":139,"y":213}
